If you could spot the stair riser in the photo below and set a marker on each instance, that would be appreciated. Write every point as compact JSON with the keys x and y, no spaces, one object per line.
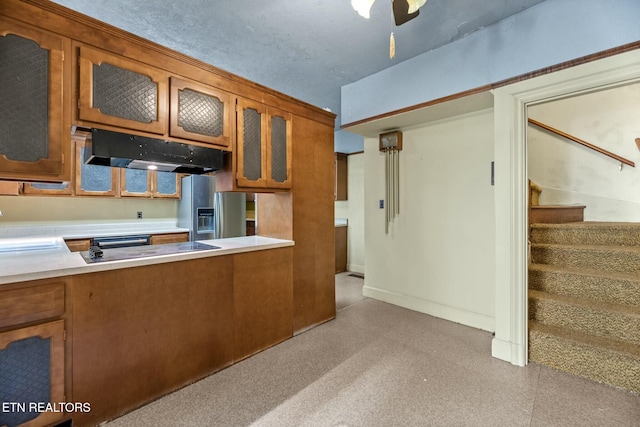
{"x":583,"y":236}
{"x":605,"y":289}
{"x":596,"y":364}
{"x":618,"y":326}
{"x":613,"y":261}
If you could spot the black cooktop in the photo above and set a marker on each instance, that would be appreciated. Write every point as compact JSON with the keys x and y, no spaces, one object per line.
{"x":132,"y":252}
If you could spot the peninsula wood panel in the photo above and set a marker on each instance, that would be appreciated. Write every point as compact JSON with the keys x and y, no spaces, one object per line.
{"x":313,"y":227}
{"x":140,"y":333}
{"x":263,"y":300}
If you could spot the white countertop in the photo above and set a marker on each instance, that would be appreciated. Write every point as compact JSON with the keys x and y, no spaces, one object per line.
{"x":34,"y":265}
{"x":341,"y":222}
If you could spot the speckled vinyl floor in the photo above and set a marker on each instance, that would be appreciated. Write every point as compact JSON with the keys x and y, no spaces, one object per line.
{"x":382,"y":365}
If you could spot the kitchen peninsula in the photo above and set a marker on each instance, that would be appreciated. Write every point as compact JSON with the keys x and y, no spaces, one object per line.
{"x":140,"y":328}
{"x":121,"y":334}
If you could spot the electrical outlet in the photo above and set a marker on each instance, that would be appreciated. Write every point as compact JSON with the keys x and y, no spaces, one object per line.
{"x":139,"y":215}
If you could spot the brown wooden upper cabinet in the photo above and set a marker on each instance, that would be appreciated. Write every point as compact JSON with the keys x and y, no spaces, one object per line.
{"x":121,"y":92}
{"x":200,"y":113}
{"x":94,"y":180}
{"x":144,"y":183}
{"x":263,"y":152}
{"x":341,"y":183}
{"x":34,"y":141}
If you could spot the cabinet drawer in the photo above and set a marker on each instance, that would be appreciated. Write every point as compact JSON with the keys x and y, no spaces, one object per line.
{"x":78,"y":245}
{"x":31,"y":303}
{"x":160,"y":239}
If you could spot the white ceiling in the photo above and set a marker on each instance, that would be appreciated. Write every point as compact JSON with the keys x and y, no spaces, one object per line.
{"x":306,"y":49}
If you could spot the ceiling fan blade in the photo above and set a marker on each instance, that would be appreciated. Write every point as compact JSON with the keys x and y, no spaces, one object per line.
{"x":400,"y":12}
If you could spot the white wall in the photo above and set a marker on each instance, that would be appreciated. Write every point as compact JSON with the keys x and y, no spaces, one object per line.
{"x":439,"y":255}
{"x":550,"y":33}
{"x":572,"y":174}
{"x":353,"y":210}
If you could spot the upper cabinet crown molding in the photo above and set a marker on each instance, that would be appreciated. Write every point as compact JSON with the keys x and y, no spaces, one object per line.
{"x":92,"y":32}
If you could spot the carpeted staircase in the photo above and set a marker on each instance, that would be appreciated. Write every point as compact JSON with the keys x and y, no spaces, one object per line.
{"x":584,"y":300}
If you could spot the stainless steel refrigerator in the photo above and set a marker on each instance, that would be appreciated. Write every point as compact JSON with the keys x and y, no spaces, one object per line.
{"x":209,"y":214}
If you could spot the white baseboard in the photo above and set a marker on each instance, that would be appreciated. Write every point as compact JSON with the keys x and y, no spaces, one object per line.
{"x":355,"y":268}
{"x":508,"y":351}
{"x":474,"y":320}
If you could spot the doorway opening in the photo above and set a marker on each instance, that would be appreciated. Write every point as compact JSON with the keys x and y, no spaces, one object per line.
{"x":511,"y":104}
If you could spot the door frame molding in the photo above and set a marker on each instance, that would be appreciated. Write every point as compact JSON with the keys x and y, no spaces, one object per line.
{"x":510,"y":342}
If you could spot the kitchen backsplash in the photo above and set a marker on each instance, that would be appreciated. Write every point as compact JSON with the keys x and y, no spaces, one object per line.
{"x":41,"y":209}
{"x":72,"y":230}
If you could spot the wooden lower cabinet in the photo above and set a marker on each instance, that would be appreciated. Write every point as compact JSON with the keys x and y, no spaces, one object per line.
{"x":263,"y":300}
{"x":32,"y":363}
{"x":341,"y":249}
{"x":160,"y":239}
{"x":78,"y":245}
{"x":140,"y":333}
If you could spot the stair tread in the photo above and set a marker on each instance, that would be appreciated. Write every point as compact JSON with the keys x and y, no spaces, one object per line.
{"x":593,"y":247}
{"x":627,"y":349}
{"x":590,"y":225}
{"x":558,"y":207}
{"x":603,"y":306}
{"x":632,"y":277}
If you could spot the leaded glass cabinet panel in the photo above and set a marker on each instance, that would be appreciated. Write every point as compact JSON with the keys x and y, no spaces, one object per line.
{"x":251,"y":144}
{"x":34,"y":132}
{"x":120,"y":92}
{"x":263,"y":152}
{"x":32,"y":370}
{"x":200,"y":113}
{"x":279,"y":149}
{"x":93,"y":180}
{"x":135,"y":182}
{"x":166,"y":184}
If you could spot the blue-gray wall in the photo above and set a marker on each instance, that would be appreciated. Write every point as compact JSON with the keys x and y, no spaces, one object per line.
{"x":550,"y":33}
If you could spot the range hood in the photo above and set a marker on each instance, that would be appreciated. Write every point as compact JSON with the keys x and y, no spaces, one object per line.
{"x":121,"y":150}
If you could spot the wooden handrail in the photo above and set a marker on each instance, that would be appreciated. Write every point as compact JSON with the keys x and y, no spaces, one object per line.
{"x":585,"y":143}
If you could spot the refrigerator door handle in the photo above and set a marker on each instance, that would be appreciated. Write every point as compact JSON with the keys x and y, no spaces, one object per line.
{"x":218,"y":216}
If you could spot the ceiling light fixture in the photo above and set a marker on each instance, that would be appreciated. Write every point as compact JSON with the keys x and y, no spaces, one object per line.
{"x":414,"y":5}
{"x":363,"y":7}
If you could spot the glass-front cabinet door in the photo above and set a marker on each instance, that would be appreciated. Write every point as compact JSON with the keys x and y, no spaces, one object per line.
{"x":263,"y":152}
{"x":120,"y":92}
{"x":135,"y":182}
{"x":166,"y":184}
{"x":278,"y":149}
{"x":200,"y":113}
{"x":145,"y":183}
{"x":34,"y":131}
{"x":251,"y":155}
{"x":93,"y":180}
